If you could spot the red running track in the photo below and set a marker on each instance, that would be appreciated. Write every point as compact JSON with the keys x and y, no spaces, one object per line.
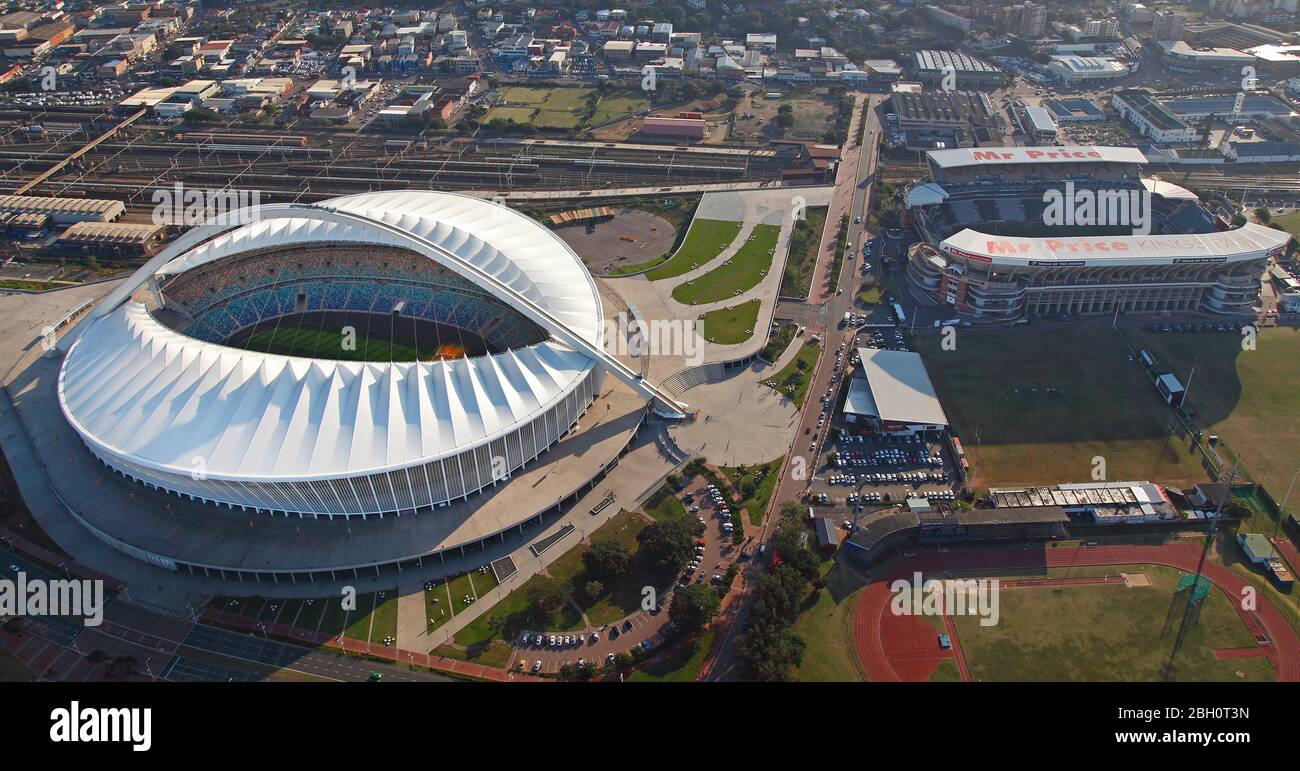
{"x":882,"y":662}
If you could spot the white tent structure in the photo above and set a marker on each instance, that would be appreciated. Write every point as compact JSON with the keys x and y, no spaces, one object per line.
{"x":338,"y":438}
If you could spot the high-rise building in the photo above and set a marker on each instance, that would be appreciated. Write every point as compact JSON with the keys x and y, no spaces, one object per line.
{"x":1102,"y":29}
{"x":1033,"y":20}
{"x":1168,"y":25}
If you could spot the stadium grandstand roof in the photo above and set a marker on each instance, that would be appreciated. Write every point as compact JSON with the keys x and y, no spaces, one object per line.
{"x":1168,"y":190}
{"x":155,"y":398}
{"x":988,"y":156}
{"x":1249,"y":241}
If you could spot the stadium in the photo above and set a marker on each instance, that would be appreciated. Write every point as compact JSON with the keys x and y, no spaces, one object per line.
{"x":988,"y":254}
{"x":383,"y":353}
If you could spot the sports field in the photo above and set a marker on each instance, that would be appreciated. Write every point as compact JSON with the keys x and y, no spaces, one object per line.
{"x":547,"y":108}
{"x":1247,"y":397}
{"x":746,"y":268}
{"x":705,"y":240}
{"x":1109,"y":632}
{"x":326,"y":336}
{"x":1040,"y":405}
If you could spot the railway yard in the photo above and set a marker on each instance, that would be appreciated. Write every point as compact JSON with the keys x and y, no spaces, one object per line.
{"x":137,"y":159}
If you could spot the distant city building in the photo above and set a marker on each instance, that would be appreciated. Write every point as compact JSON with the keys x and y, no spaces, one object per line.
{"x":1033,"y":20}
{"x":1151,"y":118}
{"x":1091,"y":68}
{"x":1168,"y":25}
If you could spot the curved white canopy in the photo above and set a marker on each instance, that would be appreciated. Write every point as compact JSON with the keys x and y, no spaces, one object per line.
{"x":156,"y":398}
{"x":160,"y":399}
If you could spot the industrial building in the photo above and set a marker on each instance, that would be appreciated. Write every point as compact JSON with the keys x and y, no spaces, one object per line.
{"x":891,"y":393}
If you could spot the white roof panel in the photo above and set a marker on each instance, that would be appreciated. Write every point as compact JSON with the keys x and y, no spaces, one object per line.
{"x":989,"y":156}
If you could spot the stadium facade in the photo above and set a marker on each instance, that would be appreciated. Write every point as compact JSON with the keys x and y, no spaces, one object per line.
{"x":158,"y":390}
{"x":987,"y":254}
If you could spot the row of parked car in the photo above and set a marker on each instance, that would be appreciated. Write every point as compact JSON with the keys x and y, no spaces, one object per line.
{"x":557,"y":640}
{"x":1207,"y":327}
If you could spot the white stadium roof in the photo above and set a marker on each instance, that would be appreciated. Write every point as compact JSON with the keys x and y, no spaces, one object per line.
{"x":501,"y":242}
{"x":1251,"y":241}
{"x":898,"y":389}
{"x":158,"y":399}
{"x":988,"y":156}
{"x":161,"y":399}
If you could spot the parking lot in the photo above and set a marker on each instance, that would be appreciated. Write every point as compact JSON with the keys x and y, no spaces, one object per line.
{"x":860,"y":471}
{"x":548,"y":652}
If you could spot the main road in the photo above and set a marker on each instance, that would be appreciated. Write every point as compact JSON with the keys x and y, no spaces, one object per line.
{"x":829,"y":298}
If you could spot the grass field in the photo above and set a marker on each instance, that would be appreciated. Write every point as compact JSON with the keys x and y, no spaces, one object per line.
{"x":704,"y":240}
{"x":1108,"y":632}
{"x":729,"y":326}
{"x":795,"y":377}
{"x":516,"y":114}
{"x":328,"y":344}
{"x":1247,"y":397}
{"x":825,"y":623}
{"x":548,"y":108}
{"x":1039,"y":405}
{"x":679,"y":665}
{"x":611,"y":108}
{"x":664,"y":504}
{"x":1289,"y":222}
{"x":741,"y":273}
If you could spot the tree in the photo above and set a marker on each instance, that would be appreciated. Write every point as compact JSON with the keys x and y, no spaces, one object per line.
{"x":607,"y":559}
{"x":593,"y":589}
{"x":546,"y":598}
{"x":693,"y":606}
{"x":666,"y":546}
{"x":1263,"y":215}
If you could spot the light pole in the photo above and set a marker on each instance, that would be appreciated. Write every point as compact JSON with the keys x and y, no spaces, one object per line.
{"x":1281,"y":510}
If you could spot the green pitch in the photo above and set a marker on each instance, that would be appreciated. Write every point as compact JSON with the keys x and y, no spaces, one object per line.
{"x":329,"y":344}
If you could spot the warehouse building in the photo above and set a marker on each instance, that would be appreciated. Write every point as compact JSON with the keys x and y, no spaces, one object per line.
{"x":891,"y":393}
{"x":64,"y":211}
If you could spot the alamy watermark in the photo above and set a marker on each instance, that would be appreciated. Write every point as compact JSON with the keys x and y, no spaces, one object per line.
{"x":956,"y":597}
{"x":634,"y":337}
{"x":1084,"y":207}
{"x":34,"y":597}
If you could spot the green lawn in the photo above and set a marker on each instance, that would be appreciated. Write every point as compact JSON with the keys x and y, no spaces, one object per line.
{"x":437,"y":608}
{"x":611,"y":108}
{"x":766,"y":476}
{"x":557,"y":119}
{"x":1108,"y":633}
{"x":1247,"y":397}
{"x":1289,"y":222}
{"x":32,"y":286}
{"x":681,"y":664}
{"x":516,"y":114}
{"x":704,"y":240}
{"x":825,"y":623}
{"x":664,"y":504}
{"x":733,"y":325}
{"x":508,"y":618}
{"x":1038,"y":405}
{"x":358,"y":627}
{"x":794,"y":378}
{"x":492,"y":654}
{"x":805,"y":240}
{"x":742,"y":272}
{"x":460,"y":587}
{"x":384,"y":621}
